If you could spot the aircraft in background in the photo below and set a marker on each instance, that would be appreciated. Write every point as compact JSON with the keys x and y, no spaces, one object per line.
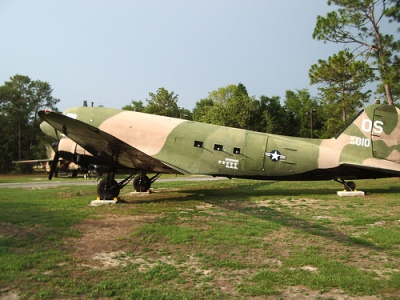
{"x":61,"y":166}
{"x":143,"y":143}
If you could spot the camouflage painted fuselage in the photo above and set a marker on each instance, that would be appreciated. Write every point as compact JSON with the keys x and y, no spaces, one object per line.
{"x":368,"y":148}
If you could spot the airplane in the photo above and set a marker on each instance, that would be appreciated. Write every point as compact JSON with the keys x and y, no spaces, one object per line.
{"x":142,"y":143}
{"x":62,"y":166}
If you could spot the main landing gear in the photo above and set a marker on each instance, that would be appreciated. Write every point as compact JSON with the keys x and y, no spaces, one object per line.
{"x":349,"y":186}
{"x":109,"y":188}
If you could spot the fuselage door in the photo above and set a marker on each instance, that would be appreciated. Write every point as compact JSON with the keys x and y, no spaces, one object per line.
{"x":254,"y":152}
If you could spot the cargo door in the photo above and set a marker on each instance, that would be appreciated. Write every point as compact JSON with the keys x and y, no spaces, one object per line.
{"x":254,"y":152}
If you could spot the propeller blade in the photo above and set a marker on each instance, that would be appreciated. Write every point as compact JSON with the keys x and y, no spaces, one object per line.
{"x":54,"y":165}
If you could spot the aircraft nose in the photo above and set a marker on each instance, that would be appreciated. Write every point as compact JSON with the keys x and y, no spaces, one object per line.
{"x":49,"y":130}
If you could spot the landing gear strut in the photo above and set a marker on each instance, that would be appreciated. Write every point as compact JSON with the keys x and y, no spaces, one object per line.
{"x":109,"y":188}
{"x":349,"y":186}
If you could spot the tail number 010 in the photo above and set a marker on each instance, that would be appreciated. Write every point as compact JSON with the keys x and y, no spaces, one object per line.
{"x":358,"y":141}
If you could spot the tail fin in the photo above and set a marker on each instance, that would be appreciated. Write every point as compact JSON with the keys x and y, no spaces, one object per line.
{"x":377,"y":129}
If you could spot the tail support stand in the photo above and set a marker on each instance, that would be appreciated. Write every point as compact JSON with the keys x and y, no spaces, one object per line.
{"x":349,"y":188}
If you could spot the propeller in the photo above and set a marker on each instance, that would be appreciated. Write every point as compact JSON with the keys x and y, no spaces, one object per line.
{"x":54,"y":164}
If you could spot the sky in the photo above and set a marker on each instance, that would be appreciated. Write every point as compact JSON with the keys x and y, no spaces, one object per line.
{"x":113,"y":52}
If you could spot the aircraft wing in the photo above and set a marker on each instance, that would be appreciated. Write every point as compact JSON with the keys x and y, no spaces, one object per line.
{"x":32,"y":161}
{"x":105,"y":147}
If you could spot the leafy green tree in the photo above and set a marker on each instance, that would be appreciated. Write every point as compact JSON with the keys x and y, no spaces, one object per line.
{"x":358,"y":23}
{"x":163,"y":103}
{"x":215,"y":111}
{"x":342,"y":79}
{"x":301,"y":107}
{"x":135,"y":106}
{"x":185,"y":114}
{"x":272,"y":116}
{"x":258,"y":118}
{"x":202,"y":110}
{"x":394,"y":11}
{"x":239,"y":108}
{"x":228,"y":106}
{"x":20,"y":101}
{"x":39,"y":97}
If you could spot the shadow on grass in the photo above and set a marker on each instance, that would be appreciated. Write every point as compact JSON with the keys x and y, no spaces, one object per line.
{"x":389,"y":190}
{"x":238,"y":199}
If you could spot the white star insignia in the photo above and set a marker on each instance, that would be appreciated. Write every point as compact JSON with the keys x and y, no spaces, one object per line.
{"x":275,"y":155}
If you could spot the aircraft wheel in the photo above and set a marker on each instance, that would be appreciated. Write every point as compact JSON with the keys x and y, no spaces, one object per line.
{"x":141,"y":183}
{"x":108,"y":190}
{"x":350,"y":186}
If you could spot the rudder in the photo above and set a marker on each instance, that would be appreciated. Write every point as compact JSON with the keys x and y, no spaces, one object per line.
{"x":385,"y":134}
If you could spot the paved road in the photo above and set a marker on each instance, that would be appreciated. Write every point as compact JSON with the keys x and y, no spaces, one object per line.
{"x":80,"y":181}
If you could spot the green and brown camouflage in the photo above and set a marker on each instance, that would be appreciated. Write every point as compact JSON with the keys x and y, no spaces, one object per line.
{"x":367,"y":148}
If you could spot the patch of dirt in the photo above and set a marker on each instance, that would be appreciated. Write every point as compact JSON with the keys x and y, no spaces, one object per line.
{"x":304,"y":293}
{"x":8,"y":230}
{"x":106,"y":235}
{"x":16,"y":231}
{"x":289,"y":203}
{"x":7,"y":294}
{"x":112,"y":259}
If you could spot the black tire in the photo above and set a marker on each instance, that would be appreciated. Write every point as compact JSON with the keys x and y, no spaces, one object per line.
{"x":141,"y":183}
{"x":108,"y":190}
{"x":350,"y":186}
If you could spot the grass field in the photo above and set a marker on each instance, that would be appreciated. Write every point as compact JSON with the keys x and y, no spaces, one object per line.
{"x":227,"y":239}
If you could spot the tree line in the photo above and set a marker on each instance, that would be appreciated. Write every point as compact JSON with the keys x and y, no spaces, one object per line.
{"x":299,"y":115}
{"x":368,"y":30}
{"x":20,"y":101}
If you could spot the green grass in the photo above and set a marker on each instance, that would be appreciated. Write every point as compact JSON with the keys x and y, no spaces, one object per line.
{"x":227,"y":239}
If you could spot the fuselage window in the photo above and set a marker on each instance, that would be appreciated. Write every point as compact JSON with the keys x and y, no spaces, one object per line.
{"x":236,"y":150}
{"x":218,"y":147}
{"x":198,"y":144}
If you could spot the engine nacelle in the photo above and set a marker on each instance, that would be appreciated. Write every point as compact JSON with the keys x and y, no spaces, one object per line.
{"x":71,"y":151}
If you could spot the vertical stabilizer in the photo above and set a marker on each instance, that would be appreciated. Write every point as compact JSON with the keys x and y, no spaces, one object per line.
{"x":374,"y":133}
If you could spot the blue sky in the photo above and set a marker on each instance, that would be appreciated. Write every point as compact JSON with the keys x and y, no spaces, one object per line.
{"x":112,"y":52}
